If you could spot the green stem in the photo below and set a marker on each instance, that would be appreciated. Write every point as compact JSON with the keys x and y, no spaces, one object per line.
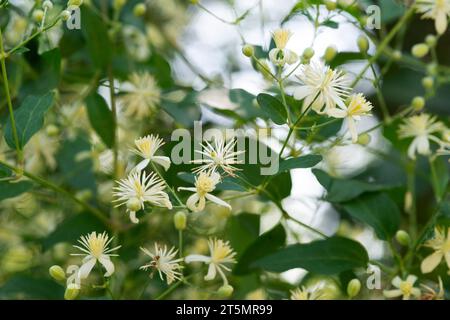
{"x":173,"y":287}
{"x":411,"y":188}
{"x":180,"y":242}
{"x":47,"y":184}
{"x":8,"y":100}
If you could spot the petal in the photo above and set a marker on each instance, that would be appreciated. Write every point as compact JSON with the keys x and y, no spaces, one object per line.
{"x":415,"y":292}
{"x":441,"y":21}
{"x":163,"y":161}
{"x":431,"y":262}
{"x":133,"y":217}
{"x":411,"y":279}
{"x":396,"y":282}
{"x":195,"y":203}
{"x":86,"y":268}
{"x":447,"y":259}
{"x":211,"y":272}
{"x":336,"y":113}
{"x":197,"y":258}
{"x":352,"y":128}
{"x":392,"y":293}
{"x":142,"y":165}
{"x":423,"y":145}
{"x":412,"y":149}
{"x":109,"y":266}
{"x":217,"y":200}
{"x":301,"y":92}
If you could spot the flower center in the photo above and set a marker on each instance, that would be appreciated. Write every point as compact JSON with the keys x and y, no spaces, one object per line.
{"x":96,"y":247}
{"x":205,"y":185}
{"x":145,"y":147}
{"x":406,"y":288}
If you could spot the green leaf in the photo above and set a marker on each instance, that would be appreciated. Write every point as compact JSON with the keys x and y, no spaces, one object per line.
{"x":267,"y":243}
{"x":242,"y":230}
{"x":13,"y":189}
{"x":307,"y":161}
{"x":330,"y":256}
{"x":378,"y":210}
{"x":101,"y":118}
{"x":442,"y":176}
{"x":273,"y":108}
{"x":72,"y":228}
{"x":341,"y":190}
{"x":97,"y":38}
{"x":23,"y":286}
{"x":29,"y":119}
{"x":185,"y":111}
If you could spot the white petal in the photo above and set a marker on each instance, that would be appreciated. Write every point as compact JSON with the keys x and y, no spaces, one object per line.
{"x":195,"y":203}
{"x":415,"y":292}
{"x":396,"y":282}
{"x":352,"y":128}
{"x":163,"y":161}
{"x":411,"y":279}
{"x":301,"y":92}
{"x":423,"y":145}
{"x":431,"y":262}
{"x":142,"y":165}
{"x":133,"y":217}
{"x":109,"y":266}
{"x":86,"y":268}
{"x":211,"y":272}
{"x":441,"y":21}
{"x":412,"y":149}
{"x":447,"y":259}
{"x":218,"y":201}
{"x":197,"y":258}
{"x":392,"y":293}
{"x":337,"y":113}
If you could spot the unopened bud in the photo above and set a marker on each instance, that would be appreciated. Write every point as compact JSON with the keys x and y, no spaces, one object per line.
{"x":248,"y":50}
{"x":179,"y":220}
{"x":57,"y":273}
{"x":52,"y":130}
{"x":225,"y":291}
{"x":353,"y":288}
{"x":420,"y":50}
{"x":330,"y":53}
{"x":308,"y":53}
{"x":194,"y":2}
{"x":363,"y":44}
{"x":431,"y":40}
{"x":331,"y":5}
{"x":418,"y":103}
{"x":72,"y":292}
{"x":364,"y":139}
{"x":119,"y":4}
{"x":139,"y":10}
{"x":38,"y":15}
{"x":47,"y":5}
{"x":432,"y":69}
{"x":428,"y":83}
{"x":397,"y":55}
{"x":74,"y":3}
{"x":403,"y":238}
{"x":134,"y":204}
{"x":65,"y":15}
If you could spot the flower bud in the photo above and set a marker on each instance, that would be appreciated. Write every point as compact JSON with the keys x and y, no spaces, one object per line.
{"x":428,"y":83}
{"x":57,"y":273}
{"x":432,"y":69}
{"x":65,"y":15}
{"x":84,"y":195}
{"x":420,"y":50}
{"x":74,"y":3}
{"x":403,"y":238}
{"x":72,"y":292}
{"x":248,"y":50}
{"x":364,"y":139}
{"x":418,"y":103}
{"x":330,"y":53}
{"x":38,"y":15}
{"x":363,"y":44}
{"x":52,"y":130}
{"x":119,"y":4}
{"x":179,"y":220}
{"x":397,"y":55}
{"x":134,"y":204}
{"x":308,"y":53}
{"x":353,"y":288}
{"x":331,"y":5}
{"x":47,"y":5}
{"x":139,"y":10}
{"x":225,"y":291}
{"x":194,"y":2}
{"x":431,"y":40}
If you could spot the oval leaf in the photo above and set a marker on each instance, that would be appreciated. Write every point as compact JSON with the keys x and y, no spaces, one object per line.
{"x":307,"y":161}
{"x":101,"y":118}
{"x":273,"y":108}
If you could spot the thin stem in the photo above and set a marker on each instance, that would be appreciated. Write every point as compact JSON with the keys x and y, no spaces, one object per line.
{"x":8,"y":100}
{"x":411,"y":189}
{"x":114,"y":113}
{"x":180,"y":242}
{"x":173,"y":287}
{"x":47,"y":184}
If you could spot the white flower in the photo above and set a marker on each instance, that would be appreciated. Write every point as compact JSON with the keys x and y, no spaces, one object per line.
{"x":322,"y":87}
{"x":441,"y":246}
{"x":421,"y":128}
{"x":139,"y":188}
{"x":164,"y":261}
{"x":357,"y":107}
{"x":220,"y":254}
{"x":306,"y":294}
{"x":95,"y":248}
{"x":438,"y":10}
{"x":280,"y":55}
{"x":221,"y":155}
{"x":405,"y":288}
{"x":146,"y":148}
{"x":204,"y":184}
{"x":142,"y":95}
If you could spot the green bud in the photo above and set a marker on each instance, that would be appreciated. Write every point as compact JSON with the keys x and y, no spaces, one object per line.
{"x":363,"y":44}
{"x":364,"y":139}
{"x":431,"y":40}
{"x":225,"y":291}
{"x":194,"y":2}
{"x":74,"y":3}
{"x":179,"y":220}
{"x":248,"y":50}
{"x":119,"y":4}
{"x":134,"y":204}
{"x":65,"y":15}
{"x":397,"y":54}
{"x":420,"y":50}
{"x":403,"y":238}
{"x":51,"y":129}
{"x":38,"y":15}
{"x":57,"y":273}
{"x":72,"y":292}
{"x":139,"y":10}
{"x":331,"y":5}
{"x":418,"y":103}
{"x":353,"y":288}
{"x":432,"y":69}
{"x":330,"y":53}
{"x":308,"y":53}
{"x":47,"y":5}
{"x":428,"y":83}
